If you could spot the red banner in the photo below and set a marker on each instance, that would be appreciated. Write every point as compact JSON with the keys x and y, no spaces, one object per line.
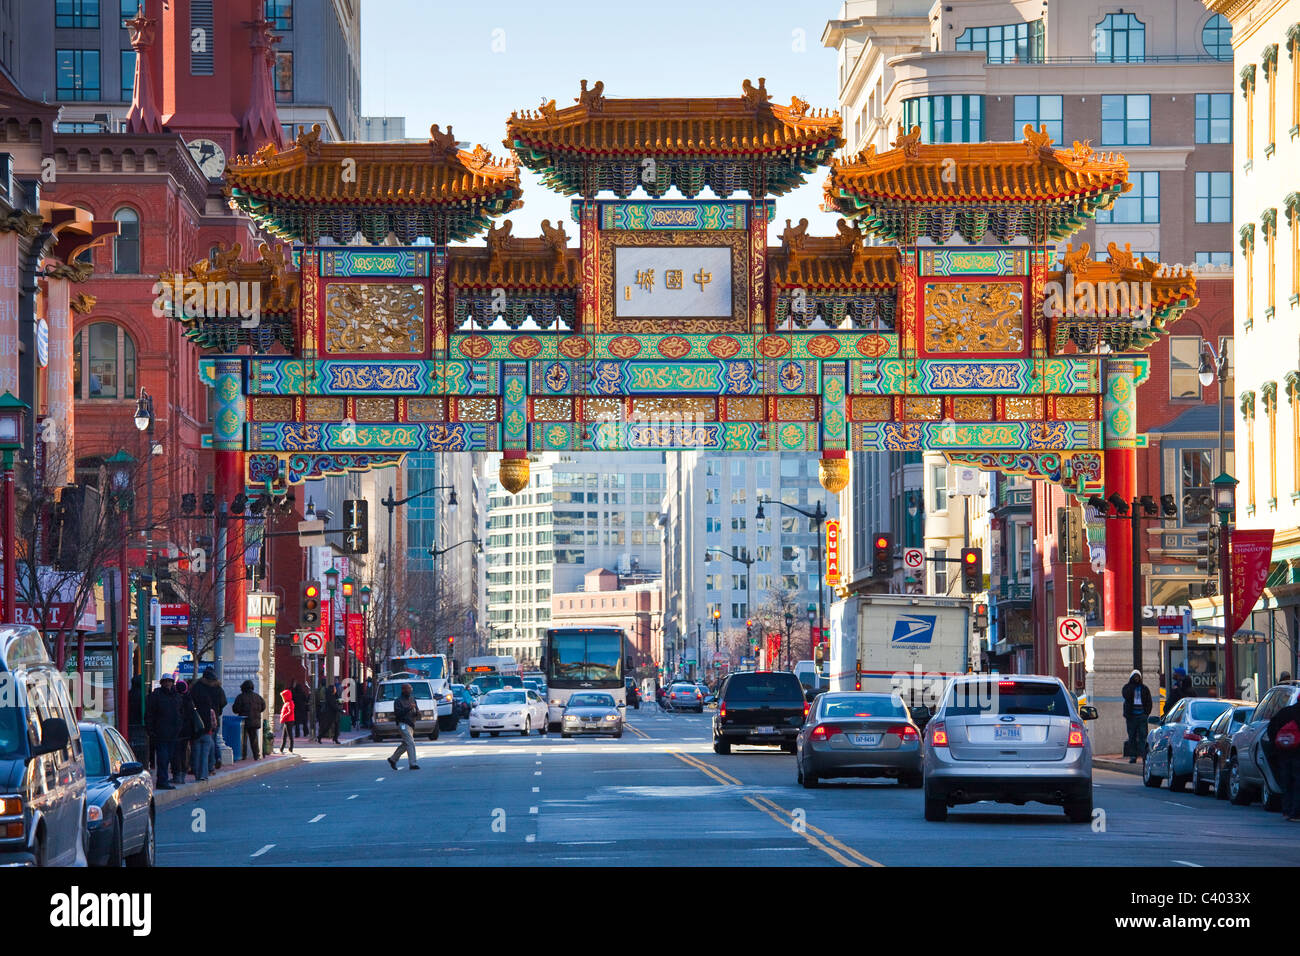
{"x":354,"y":632}
{"x":1249,"y":555}
{"x":404,"y":636}
{"x":773,"y":649}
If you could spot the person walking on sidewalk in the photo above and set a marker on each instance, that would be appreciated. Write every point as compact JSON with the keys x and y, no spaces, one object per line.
{"x":329,"y":716}
{"x":1284,"y":737}
{"x":190,"y":724}
{"x":209,"y":700}
{"x":286,"y":720}
{"x":250,"y":705}
{"x":162,"y":719}
{"x":405,"y":713}
{"x":1137,"y":708}
{"x":301,"y":708}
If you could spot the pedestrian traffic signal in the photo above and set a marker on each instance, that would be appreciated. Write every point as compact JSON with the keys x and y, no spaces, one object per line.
{"x":356,"y":525}
{"x":308,"y":606}
{"x":882,"y":564}
{"x":972,"y":570}
{"x":1207,"y":550}
{"x":1089,"y":599}
{"x":981,"y":617}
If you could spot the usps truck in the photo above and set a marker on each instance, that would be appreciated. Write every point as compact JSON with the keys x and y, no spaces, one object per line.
{"x":911,"y":643}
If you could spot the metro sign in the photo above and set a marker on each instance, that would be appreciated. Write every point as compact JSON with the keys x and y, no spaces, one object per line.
{"x":832,"y":551}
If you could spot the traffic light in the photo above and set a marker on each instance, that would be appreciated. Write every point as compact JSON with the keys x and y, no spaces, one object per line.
{"x":981,"y":617}
{"x":882,"y":564}
{"x":356,"y":523}
{"x":188,"y":503}
{"x":308,"y":606}
{"x":209,"y":502}
{"x":972,"y":570}
{"x":1207,"y":550}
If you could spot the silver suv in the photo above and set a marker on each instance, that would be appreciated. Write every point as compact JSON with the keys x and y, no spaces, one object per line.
{"x":1011,"y":740}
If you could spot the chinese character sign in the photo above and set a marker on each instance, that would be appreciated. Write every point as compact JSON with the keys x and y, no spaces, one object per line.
{"x":672,"y":281}
{"x":354,"y":633}
{"x":1249,"y":555}
{"x":832,"y":551}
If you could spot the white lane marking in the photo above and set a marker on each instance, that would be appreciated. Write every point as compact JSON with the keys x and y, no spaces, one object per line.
{"x":779,"y":849}
{"x":530,"y":838}
{"x":1185,"y":863}
{"x":317,"y":818}
{"x":532,"y":809}
{"x":377,"y":779}
{"x":588,"y":843}
{"x":263,"y":850}
{"x":354,"y":796}
{"x":1183,"y":805}
{"x":538,"y":762}
{"x":537,"y":789}
{"x":537,"y":773}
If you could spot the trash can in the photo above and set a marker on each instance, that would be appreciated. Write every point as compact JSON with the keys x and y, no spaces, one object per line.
{"x":232,"y":729}
{"x":345,"y":722}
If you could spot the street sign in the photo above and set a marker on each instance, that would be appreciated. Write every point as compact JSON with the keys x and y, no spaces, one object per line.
{"x":913,"y":559}
{"x":1175,"y":624}
{"x":832,"y":552}
{"x":313,"y":642}
{"x":1070,"y":630}
{"x":311,"y":534}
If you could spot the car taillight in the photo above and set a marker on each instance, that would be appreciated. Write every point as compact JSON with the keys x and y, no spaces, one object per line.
{"x":806,"y":707}
{"x":938,"y":735}
{"x":825,"y":731}
{"x":699,"y":695}
{"x":673,"y":694}
{"x":1076,"y":734}
{"x":905,"y":731}
{"x":1193,"y":736}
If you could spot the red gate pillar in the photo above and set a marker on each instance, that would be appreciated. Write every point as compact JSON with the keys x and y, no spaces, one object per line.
{"x":228,"y":467}
{"x":1119,"y":426}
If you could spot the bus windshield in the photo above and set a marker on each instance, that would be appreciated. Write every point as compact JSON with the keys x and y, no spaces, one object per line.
{"x":430,"y":667}
{"x":585,"y":657}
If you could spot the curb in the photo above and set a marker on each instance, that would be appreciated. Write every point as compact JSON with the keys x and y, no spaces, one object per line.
{"x":1118,"y":764}
{"x":195,"y":790}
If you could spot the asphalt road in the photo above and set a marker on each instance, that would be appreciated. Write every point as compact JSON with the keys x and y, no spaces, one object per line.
{"x":661,"y":797}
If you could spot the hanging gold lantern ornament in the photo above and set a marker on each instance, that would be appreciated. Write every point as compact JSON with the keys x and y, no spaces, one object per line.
{"x":513,"y":471}
{"x":833,"y":471}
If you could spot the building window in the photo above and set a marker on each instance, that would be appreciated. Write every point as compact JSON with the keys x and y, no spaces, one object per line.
{"x":128,"y":75}
{"x":280,"y":13}
{"x":1139,"y":204}
{"x":126,"y":247}
{"x":1293,"y":220}
{"x":77,"y":74}
{"x":1248,"y":92}
{"x":1248,"y":414}
{"x":1008,"y":43}
{"x":1213,"y":259}
{"x":1039,"y":111}
{"x":1268,"y":395}
{"x":1119,"y":38}
{"x":1214,"y":117}
{"x":1216,"y":37}
{"x":106,"y":369}
{"x":939,"y":488}
{"x":1126,"y":119}
{"x":1214,"y":197}
{"x":127,"y":9}
{"x":76,"y":14}
{"x":1184,"y":366}
{"x":940,"y":571}
{"x":1270,"y":77}
{"x":1247,"y":242}
{"x":1196,"y":477}
{"x":284,"y":76}
{"x":946,"y":119}
{"x":1293,"y":396}
{"x":1268,"y":228}
{"x":1293,"y":49}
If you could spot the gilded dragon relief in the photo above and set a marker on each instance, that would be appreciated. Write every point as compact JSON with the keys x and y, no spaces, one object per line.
{"x":974,"y":317}
{"x":374,"y":318}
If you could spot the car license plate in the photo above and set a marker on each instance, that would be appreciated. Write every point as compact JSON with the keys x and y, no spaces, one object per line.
{"x":764,"y":730}
{"x":866,"y":740}
{"x":1006,"y":733}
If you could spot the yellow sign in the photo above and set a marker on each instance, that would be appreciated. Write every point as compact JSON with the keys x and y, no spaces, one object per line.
{"x":832,"y":552}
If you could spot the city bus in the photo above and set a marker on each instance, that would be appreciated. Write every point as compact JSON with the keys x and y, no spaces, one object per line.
{"x":578,"y":659}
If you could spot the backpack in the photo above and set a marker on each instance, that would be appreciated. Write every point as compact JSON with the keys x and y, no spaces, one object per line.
{"x":1288,"y":736}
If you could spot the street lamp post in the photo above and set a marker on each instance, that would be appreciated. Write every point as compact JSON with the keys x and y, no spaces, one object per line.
{"x":331,"y":576}
{"x":12,"y":413}
{"x":119,"y":466}
{"x":436,"y":553}
{"x":818,"y":516}
{"x":144,"y":421}
{"x":348,"y":585}
{"x":789,"y":633}
{"x":361,"y":667}
{"x":391,"y":503}
{"x":1225,"y":502}
{"x":717,"y":616}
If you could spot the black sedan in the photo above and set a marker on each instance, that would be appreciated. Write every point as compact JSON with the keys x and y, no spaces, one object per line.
{"x":1210,"y":758}
{"x":119,"y":800}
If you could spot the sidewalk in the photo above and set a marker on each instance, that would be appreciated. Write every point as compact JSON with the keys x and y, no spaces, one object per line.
{"x":1116,"y":762}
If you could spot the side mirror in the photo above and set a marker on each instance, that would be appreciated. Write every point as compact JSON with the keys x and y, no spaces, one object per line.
{"x":1201,"y":730}
{"x":54,"y":736}
{"x":1088,"y":712}
{"x":130,"y":769}
{"x":1153,"y":721}
{"x":919,"y":714}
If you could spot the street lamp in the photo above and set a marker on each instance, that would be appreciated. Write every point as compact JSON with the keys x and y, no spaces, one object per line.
{"x":365,"y":608}
{"x":12,"y":413}
{"x":331,"y":576}
{"x":391,"y":503}
{"x":348,"y":585}
{"x":717,"y":615}
{"x":818,"y":516}
{"x":1225,"y":503}
{"x":119,"y":472}
{"x":1214,"y":367}
{"x":435,"y":553}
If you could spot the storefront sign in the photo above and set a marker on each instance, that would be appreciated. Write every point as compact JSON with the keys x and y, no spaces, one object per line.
{"x":832,"y":552}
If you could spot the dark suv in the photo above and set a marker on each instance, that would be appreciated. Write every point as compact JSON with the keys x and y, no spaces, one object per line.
{"x":759,"y":707}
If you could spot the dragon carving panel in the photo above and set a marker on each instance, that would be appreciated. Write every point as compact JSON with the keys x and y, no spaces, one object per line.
{"x":978,"y":317}
{"x":374,"y":318}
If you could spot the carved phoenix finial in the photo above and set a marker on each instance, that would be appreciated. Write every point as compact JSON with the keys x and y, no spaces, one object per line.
{"x":909,"y":143}
{"x":755,"y":96}
{"x":593,"y":99}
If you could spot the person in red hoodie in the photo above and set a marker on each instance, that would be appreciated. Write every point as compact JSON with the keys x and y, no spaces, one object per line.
{"x":286,"y":720}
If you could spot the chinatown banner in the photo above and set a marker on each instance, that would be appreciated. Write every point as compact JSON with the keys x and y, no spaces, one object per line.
{"x":354,"y":632}
{"x":1249,"y":555}
{"x":832,"y":552}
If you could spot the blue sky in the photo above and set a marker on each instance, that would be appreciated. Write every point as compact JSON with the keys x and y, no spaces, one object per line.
{"x":469,"y":64}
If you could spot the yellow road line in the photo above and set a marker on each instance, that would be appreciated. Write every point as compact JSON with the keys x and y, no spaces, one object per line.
{"x":837,"y":857}
{"x":862,"y":858}
{"x":710,"y":768}
{"x":640,"y":733}
{"x":702,"y":767}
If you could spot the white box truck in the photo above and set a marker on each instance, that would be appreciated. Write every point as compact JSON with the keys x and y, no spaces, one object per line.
{"x":911,"y":643}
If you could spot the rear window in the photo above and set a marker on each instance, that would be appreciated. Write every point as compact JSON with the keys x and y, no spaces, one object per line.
{"x":1242,"y":716}
{"x":759,"y":687}
{"x":863,"y":705}
{"x":504,"y":697}
{"x":96,"y":762}
{"x":1203,"y":711}
{"x":684,"y":688}
{"x":971,"y":698}
{"x":419,"y":689}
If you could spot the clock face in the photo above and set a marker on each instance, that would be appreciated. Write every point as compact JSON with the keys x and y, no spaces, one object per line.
{"x":210,"y":157}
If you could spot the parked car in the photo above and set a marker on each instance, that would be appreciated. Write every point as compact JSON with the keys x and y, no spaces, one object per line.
{"x":1174,"y":737}
{"x":509,"y":709}
{"x":42,"y":767}
{"x":426,"y":723}
{"x":462,"y":699}
{"x":1009,"y":740}
{"x":850,"y":734}
{"x":759,"y":707}
{"x":591,"y":713}
{"x":684,"y":696}
{"x":1210,"y":759}
{"x":1247,"y":780}
{"x":119,"y":800}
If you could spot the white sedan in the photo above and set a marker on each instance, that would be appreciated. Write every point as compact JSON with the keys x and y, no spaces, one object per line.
{"x":508,"y":709}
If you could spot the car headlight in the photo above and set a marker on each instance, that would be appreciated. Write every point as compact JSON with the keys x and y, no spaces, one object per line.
{"x":94,"y":814}
{"x":570,"y":716}
{"x":611,"y":717}
{"x":11,"y":806}
{"x":557,"y":703}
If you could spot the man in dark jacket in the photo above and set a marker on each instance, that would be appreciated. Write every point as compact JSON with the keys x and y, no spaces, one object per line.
{"x":301,"y":708}
{"x":210,"y":701}
{"x":405,"y":712}
{"x":1287,"y":762}
{"x":328,"y":723}
{"x":162,"y":718}
{"x":1182,"y":687}
{"x":250,"y":705}
{"x":1137,"y":708}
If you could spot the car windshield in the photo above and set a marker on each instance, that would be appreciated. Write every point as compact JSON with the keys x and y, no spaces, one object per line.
{"x":586,"y":656}
{"x":13,"y":739}
{"x":1242,"y":716}
{"x":591,"y":700}
{"x":424,"y":666}
{"x":504,"y":697}
{"x":1204,"y":711}
{"x":989,"y":697}
{"x":96,"y":760}
{"x":758,"y":687}
{"x":864,"y":705}
{"x":419,"y":689}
